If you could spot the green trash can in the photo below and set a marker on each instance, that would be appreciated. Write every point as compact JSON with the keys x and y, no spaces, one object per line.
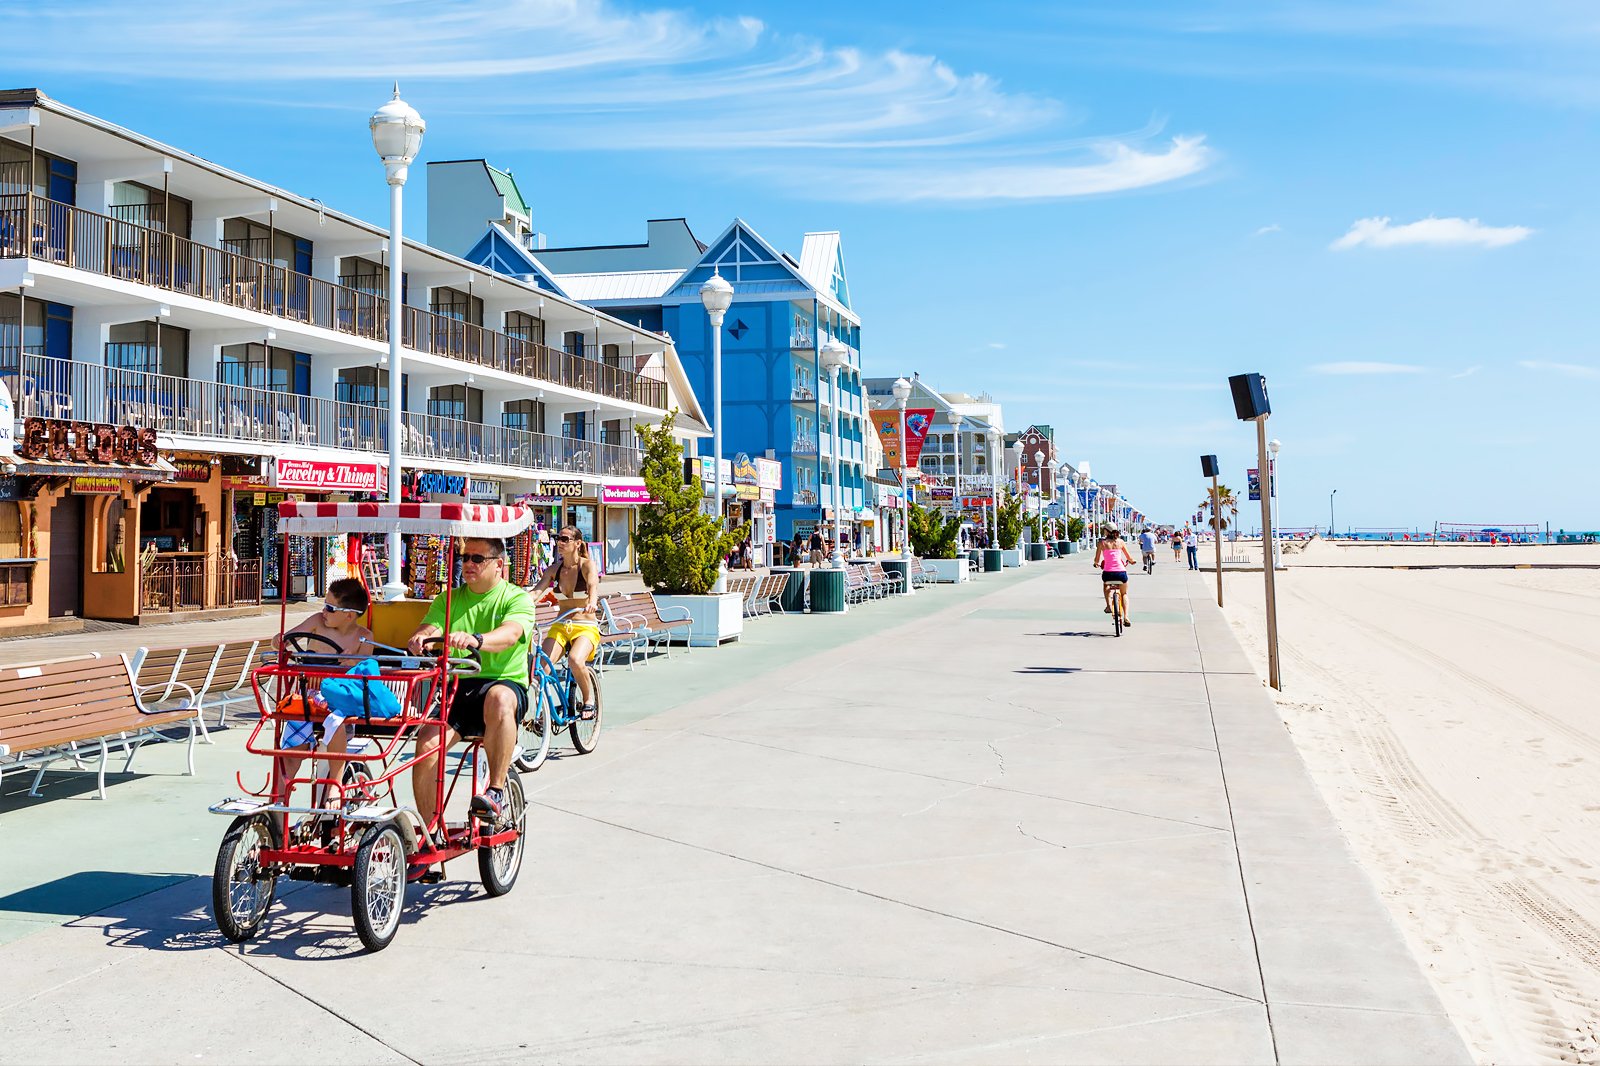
{"x":901,"y":567}
{"x":827,"y":590}
{"x":1036,"y":553}
{"x":793,"y":600}
{"x":1072,"y":547}
{"x":993,"y":560}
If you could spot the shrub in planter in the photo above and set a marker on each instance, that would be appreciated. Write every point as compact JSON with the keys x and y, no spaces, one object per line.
{"x":1075,"y":529}
{"x":679,"y":545}
{"x":1010,"y":520}
{"x":933,"y":536}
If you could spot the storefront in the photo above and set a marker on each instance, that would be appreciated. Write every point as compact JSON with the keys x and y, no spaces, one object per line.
{"x":312,"y":560}
{"x":620,"y":503}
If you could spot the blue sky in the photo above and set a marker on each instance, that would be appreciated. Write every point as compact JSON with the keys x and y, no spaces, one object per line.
{"x":1094,"y":211}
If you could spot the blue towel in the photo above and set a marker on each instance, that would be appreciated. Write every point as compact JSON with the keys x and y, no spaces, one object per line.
{"x":345,"y":695}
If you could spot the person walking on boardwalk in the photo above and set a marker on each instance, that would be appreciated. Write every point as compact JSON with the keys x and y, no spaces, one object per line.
{"x":1191,"y":544}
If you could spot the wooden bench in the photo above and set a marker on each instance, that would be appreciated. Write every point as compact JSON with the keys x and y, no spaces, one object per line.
{"x":50,"y":711}
{"x":638,"y":614}
{"x":922,"y":575}
{"x":215,"y":675}
{"x":882,"y":580}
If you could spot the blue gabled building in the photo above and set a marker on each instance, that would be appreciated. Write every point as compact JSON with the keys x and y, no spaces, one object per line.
{"x":776,"y":400}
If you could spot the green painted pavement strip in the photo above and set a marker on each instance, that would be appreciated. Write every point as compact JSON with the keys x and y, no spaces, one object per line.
{"x":1067,"y":614}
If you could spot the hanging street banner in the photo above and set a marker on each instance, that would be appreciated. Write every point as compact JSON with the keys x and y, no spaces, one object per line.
{"x":1252,"y":477}
{"x":919,"y":420}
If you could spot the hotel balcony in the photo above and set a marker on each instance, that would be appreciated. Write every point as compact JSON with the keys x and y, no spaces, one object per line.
{"x":32,"y":227}
{"x":201,"y":411}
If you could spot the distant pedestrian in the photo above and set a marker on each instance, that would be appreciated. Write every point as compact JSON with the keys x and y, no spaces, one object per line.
{"x":796,"y":546}
{"x":1191,"y":544}
{"x":817,"y":553}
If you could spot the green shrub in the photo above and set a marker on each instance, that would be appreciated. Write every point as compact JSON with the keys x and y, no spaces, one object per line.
{"x":1075,"y":528}
{"x":1010,"y":520}
{"x":679,"y":545}
{"x":933,"y":536}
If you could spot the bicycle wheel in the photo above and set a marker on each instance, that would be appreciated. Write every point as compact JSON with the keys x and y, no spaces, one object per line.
{"x":378,"y":891}
{"x":499,"y":865}
{"x":241,"y":890}
{"x":1116,"y":610}
{"x":533,"y":736}
{"x":586,"y":733}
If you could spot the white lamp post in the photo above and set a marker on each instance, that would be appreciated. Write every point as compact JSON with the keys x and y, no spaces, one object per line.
{"x":1088,"y":510}
{"x":834,"y":357}
{"x":994,"y":486}
{"x":1016,"y":464}
{"x":1038,"y":462}
{"x":1272,"y":491}
{"x":397,"y":135}
{"x":717,"y":296}
{"x":902,"y":393}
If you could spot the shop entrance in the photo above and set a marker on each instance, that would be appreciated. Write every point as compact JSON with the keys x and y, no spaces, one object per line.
{"x":618,"y":532}
{"x":66,"y":556}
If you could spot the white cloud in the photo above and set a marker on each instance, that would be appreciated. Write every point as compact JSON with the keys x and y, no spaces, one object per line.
{"x":731,"y":95}
{"x":1439,"y":232}
{"x":1467,"y":373}
{"x":1571,"y":370}
{"x":1365,"y":368}
{"x":996,"y":345}
{"x":1264,"y":230}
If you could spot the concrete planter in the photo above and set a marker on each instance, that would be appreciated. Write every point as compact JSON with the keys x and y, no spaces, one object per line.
{"x":950,"y":571}
{"x":712,"y":619}
{"x":1037,"y":553}
{"x":1011,"y":556}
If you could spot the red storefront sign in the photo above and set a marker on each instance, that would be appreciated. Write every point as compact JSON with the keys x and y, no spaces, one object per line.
{"x":315,"y":475}
{"x":977,"y":501}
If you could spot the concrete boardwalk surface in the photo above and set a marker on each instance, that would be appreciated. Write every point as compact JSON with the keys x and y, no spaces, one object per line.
{"x":964,"y":826}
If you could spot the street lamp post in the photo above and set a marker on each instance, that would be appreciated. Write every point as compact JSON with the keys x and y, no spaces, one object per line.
{"x":1331,"y":495}
{"x":834,"y":357}
{"x":994,"y":485}
{"x":902,"y":393}
{"x":1038,"y":462}
{"x":1273,"y":446}
{"x":1016,"y":464}
{"x":397,"y":132}
{"x":717,"y":296}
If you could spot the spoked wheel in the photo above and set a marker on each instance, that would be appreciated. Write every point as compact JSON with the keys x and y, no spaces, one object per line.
{"x":586,"y":732}
{"x":242,"y":889}
{"x":499,"y":865}
{"x":1116,"y":612}
{"x":533,"y":736}
{"x":378,"y":892}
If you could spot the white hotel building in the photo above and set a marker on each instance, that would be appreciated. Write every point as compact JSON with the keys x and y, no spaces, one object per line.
{"x":145,"y":288}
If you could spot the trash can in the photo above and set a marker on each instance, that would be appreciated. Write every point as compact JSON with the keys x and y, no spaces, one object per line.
{"x":793,"y":599}
{"x":975,"y":560}
{"x":1036,"y":553}
{"x":827,"y":590}
{"x":993,"y":560}
{"x":1072,"y":547}
{"x":901,"y":567}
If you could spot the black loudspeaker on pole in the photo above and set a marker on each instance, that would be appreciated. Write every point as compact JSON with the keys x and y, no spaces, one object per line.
{"x":1250,"y":397}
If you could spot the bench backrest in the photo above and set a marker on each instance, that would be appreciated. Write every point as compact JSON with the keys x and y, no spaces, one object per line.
{"x":633,"y":612}
{"x":43,"y":705}
{"x":197,"y":665}
{"x":234,"y":663}
{"x":855,"y":576}
{"x":158,"y":669}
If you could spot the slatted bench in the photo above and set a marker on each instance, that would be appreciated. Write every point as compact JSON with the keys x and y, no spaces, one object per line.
{"x":769,"y":593}
{"x":640,"y":615}
{"x":922,"y":575}
{"x":216,"y":674}
{"x":52,"y":712}
{"x":881,"y":580}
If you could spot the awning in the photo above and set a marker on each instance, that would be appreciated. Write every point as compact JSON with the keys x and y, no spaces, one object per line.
{"x":160,"y":470}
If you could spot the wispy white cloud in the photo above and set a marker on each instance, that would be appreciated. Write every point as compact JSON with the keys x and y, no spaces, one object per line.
{"x":1439,"y":232}
{"x":995,"y":345}
{"x":1467,"y":373}
{"x":1365,"y":368}
{"x":1571,"y":370}
{"x":727,"y":93}
{"x":1264,"y":230}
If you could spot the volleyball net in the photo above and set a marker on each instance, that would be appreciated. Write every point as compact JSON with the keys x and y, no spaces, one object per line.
{"x":1501,"y":533}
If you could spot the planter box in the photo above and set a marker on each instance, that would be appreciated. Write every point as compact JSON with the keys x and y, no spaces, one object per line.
{"x":713,"y":619}
{"x":950,"y":571}
{"x":1011,"y":556}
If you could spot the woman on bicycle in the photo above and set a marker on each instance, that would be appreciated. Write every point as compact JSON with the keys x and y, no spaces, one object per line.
{"x":575,"y":581}
{"x":1113,"y":559}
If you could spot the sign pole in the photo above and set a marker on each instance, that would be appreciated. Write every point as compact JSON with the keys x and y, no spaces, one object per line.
{"x":1216,"y":525}
{"x":1274,"y":678}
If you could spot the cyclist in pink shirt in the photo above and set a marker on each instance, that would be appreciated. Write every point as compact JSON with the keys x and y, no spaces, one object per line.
{"x":1113,"y":559}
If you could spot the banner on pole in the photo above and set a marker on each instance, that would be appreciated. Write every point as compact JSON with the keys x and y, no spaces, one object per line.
{"x":919,"y":420}
{"x":1252,"y":477}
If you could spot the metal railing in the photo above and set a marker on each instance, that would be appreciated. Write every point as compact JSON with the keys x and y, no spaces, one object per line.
{"x":37,"y":228}
{"x":802,"y":394}
{"x":176,"y":583}
{"x":238,"y":581}
{"x":73,"y":390}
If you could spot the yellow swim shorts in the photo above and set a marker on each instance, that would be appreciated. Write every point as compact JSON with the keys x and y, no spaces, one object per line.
{"x":565,"y":633}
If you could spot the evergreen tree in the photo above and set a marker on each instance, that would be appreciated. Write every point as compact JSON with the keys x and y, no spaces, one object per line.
{"x":933,"y":536}
{"x":678,"y":544}
{"x":1010,"y":519}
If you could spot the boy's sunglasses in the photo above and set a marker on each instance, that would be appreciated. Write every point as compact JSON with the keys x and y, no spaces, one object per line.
{"x":478,"y":560}
{"x":331,"y":609}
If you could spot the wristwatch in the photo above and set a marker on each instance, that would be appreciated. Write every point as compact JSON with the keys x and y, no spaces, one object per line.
{"x":479,"y":638}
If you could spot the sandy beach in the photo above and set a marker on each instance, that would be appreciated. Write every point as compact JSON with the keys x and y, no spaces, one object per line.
{"x":1449,"y":718}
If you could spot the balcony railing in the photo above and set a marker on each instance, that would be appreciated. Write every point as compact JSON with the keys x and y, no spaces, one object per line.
{"x":802,"y":394}
{"x":86,"y":392}
{"x":34,"y":227}
{"x":802,"y":342}
{"x":172,"y":583}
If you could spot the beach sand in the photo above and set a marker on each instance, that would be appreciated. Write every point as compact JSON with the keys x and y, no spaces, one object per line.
{"x":1450,"y":719}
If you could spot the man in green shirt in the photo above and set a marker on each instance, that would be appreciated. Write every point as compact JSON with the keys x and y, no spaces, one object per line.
{"x":489,"y":615}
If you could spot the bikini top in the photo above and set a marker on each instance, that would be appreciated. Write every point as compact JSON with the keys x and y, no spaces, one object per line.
{"x":579,"y":586}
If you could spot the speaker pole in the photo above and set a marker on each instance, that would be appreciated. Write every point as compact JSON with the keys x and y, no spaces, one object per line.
{"x":1273,"y":677}
{"x":1216,"y":525}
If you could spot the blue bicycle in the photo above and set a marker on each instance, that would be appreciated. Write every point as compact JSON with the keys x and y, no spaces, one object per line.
{"x":553,"y":699}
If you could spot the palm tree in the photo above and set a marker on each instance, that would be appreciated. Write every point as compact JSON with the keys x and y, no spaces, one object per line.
{"x":1226,"y":499}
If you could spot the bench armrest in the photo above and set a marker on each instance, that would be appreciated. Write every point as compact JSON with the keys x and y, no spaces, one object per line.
{"x":680,"y":614}
{"x":190,"y":703}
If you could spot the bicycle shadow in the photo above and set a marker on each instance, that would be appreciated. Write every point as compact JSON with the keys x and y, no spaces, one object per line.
{"x":1076,"y":633}
{"x":1049,"y":670}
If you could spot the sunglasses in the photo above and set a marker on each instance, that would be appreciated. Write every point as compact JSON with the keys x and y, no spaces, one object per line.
{"x":478,"y":560}
{"x":563,"y":538}
{"x":331,"y":609}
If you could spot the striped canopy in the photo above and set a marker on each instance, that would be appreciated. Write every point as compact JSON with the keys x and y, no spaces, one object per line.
{"x":444,"y":519}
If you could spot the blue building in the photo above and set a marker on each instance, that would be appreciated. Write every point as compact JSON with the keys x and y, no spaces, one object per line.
{"x":776,"y":400}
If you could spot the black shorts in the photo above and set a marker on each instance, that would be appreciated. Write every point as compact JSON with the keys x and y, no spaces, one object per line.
{"x":466,"y":708}
{"x":1113,"y":577}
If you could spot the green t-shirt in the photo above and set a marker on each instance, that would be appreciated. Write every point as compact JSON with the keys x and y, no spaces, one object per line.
{"x":472,"y":613}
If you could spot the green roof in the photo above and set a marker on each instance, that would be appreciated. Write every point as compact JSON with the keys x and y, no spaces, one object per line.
{"x":506,"y":185}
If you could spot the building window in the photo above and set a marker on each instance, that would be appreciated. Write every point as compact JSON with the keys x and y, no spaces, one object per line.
{"x":461,"y":402}
{"x":149,"y":347}
{"x":453,"y":303}
{"x":527,"y":415}
{"x":575,"y":426}
{"x":369,"y":385}
{"x":524,"y":327}
{"x":259,"y":366}
{"x":142,"y":205}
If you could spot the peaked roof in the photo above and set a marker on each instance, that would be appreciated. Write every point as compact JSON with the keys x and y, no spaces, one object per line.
{"x":822,"y":263}
{"x":745,"y":260}
{"x":506,"y":186}
{"x":502,"y":253}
